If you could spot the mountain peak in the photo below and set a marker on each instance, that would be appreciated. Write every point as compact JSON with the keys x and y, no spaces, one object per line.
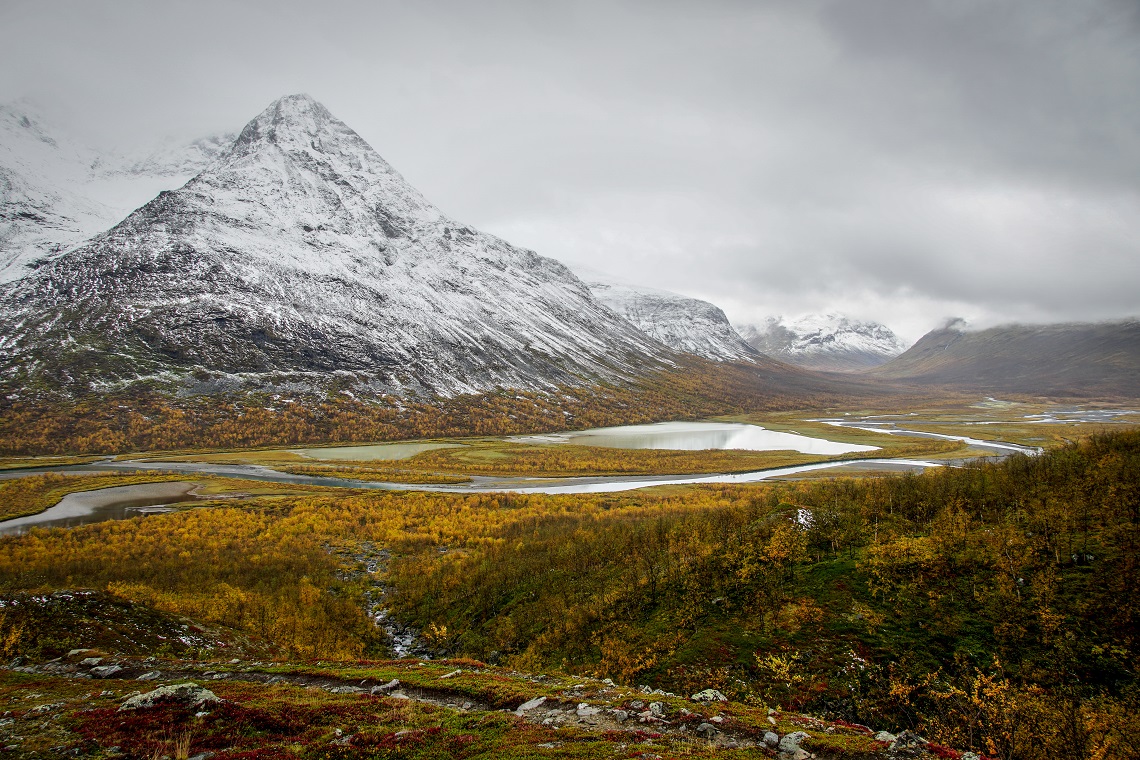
{"x":294,"y":121}
{"x":1082,"y":359}
{"x":302,"y":99}
{"x":315,"y":166}
{"x":297,"y":110}
{"x":301,"y":253}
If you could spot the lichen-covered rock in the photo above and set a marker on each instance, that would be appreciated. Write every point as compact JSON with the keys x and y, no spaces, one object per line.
{"x":186,"y":693}
{"x":908,"y":743}
{"x":789,"y":746}
{"x":709,"y":695}
{"x":387,"y":687}
{"x":105,"y":671}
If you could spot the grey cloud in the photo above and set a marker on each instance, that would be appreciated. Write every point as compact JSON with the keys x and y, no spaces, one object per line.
{"x":901,"y":160}
{"x":1041,"y":87}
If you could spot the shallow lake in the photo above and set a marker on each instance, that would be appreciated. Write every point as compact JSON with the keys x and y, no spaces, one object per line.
{"x":374,"y":452}
{"x":118,"y":503}
{"x":697,"y":436}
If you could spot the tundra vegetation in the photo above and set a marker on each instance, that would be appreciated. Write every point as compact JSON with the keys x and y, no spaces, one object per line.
{"x":45,"y":421}
{"x":989,"y":607}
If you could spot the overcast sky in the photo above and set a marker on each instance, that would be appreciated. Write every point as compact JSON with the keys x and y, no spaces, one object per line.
{"x":896,"y":160}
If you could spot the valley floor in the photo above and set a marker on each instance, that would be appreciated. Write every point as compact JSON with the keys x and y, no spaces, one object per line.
{"x":989,"y":606}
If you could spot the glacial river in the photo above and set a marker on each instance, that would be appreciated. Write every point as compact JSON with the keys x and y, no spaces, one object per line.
{"x":131,"y":501}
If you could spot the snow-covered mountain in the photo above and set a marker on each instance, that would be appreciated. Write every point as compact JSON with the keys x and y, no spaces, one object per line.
{"x":298,"y":254}
{"x":56,"y":192}
{"x":681,"y":323}
{"x":828,"y":342}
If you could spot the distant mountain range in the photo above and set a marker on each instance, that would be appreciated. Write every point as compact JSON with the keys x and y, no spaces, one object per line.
{"x":293,"y":256}
{"x":680,"y":322}
{"x":830,"y":342}
{"x":1067,"y":359}
{"x":290,"y":256}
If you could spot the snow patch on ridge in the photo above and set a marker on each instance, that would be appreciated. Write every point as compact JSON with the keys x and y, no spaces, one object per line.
{"x":680,"y":322}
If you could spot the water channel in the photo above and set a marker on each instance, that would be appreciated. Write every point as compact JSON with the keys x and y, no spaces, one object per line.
{"x":122,"y":502}
{"x":117,"y":503}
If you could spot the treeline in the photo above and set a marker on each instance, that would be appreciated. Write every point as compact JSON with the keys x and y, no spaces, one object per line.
{"x":147,"y":420}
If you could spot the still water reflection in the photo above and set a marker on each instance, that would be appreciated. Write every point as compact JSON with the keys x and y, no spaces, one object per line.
{"x":697,"y":436}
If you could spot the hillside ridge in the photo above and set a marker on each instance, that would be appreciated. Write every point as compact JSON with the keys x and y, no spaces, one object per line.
{"x":1064,"y":358}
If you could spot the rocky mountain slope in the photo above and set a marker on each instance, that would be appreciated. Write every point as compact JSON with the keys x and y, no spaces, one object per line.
{"x":56,"y":192}
{"x":1073,"y":359}
{"x":298,"y":255}
{"x":681,"y":323}
{"x":830,"y":342}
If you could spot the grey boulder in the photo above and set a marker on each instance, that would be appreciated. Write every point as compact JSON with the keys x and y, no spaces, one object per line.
{"x":709,"y":695}
{"x":187,"y":693}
